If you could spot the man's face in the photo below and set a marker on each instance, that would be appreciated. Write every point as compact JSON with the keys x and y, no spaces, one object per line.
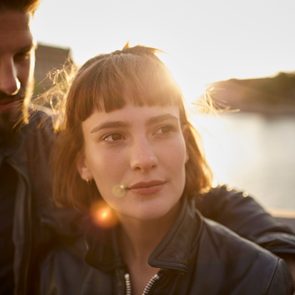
{"x":16,"y":67}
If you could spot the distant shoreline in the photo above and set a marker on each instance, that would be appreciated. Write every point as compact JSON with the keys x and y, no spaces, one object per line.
{"x":280,"y":110}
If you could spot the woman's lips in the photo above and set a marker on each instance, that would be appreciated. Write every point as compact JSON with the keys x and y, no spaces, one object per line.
{"x":147,"y":188}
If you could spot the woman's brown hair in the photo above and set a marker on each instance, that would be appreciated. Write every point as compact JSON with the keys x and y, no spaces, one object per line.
{"x":106,"y":83}
{"x":27,"y":6}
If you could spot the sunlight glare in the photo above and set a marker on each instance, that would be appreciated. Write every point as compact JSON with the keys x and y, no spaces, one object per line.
{"x":102,"y":215}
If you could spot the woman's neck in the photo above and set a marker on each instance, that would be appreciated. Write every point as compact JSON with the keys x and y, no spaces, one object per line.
{"x":139,"y":238}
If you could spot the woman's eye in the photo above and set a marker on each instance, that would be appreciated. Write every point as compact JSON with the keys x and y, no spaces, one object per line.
{"x":114,"y":137}
{"x":166,"y":129}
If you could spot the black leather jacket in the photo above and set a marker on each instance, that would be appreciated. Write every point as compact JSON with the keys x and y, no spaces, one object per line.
{"x":28,"y":156}
{"x":242,"y":214}
{"x":197,"y":256}
{"x":35,"y":217}
{"x":37,"y":224}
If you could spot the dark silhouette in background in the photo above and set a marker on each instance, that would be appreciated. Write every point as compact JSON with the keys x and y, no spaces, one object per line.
{"x":49,"y":59}
{"x":268,"y":96}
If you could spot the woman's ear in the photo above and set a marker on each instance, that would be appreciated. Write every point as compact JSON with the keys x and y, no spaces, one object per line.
{"x":185,"y":131}
{"x":82,"y":167}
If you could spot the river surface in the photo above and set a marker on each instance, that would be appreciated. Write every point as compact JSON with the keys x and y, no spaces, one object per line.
{"x":254,"y":153}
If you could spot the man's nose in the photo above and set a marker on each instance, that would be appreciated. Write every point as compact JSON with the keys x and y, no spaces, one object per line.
{"x":9,"y":82}
{"x":143,"y":156}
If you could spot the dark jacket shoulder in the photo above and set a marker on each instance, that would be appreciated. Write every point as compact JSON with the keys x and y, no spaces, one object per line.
{"x":241,"y":213}
{"x":197,"y":256}
{"x":252,"y":269}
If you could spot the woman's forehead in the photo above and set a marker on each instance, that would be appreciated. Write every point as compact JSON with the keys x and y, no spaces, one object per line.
{"x":131,"y":114}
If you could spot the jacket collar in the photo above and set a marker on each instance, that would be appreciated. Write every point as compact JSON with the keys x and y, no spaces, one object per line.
{"x":174,"y":252}
{"x":9,"y":146}
{"x":12,"y":148}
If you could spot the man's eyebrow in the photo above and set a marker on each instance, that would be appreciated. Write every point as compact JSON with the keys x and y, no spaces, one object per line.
{"x":107,"y":125}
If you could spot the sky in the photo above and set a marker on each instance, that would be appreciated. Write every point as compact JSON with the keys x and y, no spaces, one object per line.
{"x":203,"y":41}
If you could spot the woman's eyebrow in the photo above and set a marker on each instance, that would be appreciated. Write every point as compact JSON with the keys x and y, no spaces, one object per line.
{"x":161,"y":118}
{"x":107,"y":125}
{"x":116,"y":124}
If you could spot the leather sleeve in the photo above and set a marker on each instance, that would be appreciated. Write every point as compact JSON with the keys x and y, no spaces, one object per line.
{"x":281,"y":283}
{"x":242,"y":214}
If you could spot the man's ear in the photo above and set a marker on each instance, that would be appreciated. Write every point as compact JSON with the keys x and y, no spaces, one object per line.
{"x":82,"y":167}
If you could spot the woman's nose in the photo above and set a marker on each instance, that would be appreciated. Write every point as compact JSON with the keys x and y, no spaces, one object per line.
{"x":143,"y":156}
{"x":9,"y":82}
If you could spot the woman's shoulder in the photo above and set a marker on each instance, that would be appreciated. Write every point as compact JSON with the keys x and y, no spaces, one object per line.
{"x":243,"y":261}
{"x":226,"y":243}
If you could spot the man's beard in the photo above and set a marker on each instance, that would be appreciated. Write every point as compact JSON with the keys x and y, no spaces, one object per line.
{"x":13,"y":117}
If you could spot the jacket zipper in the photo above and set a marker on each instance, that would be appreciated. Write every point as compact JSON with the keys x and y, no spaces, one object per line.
{"x":127,"y":283}
{"x":147,"y":287}
{"x":150,"y":284}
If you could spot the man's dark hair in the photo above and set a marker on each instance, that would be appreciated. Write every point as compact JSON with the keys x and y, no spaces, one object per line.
{"x":28,"y":6}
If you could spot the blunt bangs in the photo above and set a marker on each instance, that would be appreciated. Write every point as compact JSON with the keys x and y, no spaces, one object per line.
{"x":108,"y":82}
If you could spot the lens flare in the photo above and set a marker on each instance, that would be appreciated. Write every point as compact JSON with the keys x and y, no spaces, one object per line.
{"x":102,"y":215}
{"x":119,"y":190}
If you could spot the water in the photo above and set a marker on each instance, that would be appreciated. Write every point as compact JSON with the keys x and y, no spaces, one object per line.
{"x":254,"y":153}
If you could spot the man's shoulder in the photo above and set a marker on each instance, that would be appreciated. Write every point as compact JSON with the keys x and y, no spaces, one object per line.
{"x":40,"y":120}
{"x":37,"y":141}
{"x":39,"y":129}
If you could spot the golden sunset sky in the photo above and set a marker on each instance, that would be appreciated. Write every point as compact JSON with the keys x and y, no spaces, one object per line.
{"x":204,"y":41}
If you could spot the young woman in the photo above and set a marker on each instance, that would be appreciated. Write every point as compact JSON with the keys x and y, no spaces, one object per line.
{"x":127,"y":153}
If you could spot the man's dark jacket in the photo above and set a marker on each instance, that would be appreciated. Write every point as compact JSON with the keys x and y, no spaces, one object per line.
{"x":35,"y":219}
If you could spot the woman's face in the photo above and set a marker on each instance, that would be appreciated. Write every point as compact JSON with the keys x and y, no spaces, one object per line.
{"x":141,"y":149}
